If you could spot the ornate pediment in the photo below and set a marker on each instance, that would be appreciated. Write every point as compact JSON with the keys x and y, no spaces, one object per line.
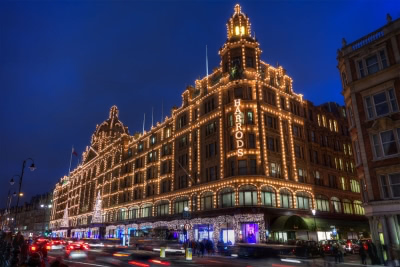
{"x":382,"y":124}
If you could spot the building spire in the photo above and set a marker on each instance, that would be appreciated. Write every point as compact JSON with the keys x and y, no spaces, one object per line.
{"x":237,"y":9}
{"x":239,"y":24}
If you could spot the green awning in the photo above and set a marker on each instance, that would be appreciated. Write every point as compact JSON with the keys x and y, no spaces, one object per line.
{"x":289,"y":223}
{"x":297,"y":223}
{"x":345,"y":225}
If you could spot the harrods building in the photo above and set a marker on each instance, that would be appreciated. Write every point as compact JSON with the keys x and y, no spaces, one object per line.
{"x":244,"y":158}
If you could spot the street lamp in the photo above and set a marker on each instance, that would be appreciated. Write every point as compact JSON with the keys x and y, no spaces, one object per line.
{"x":315,"y":222}
{"x":21,"y":194}
{"x":32,"y":168}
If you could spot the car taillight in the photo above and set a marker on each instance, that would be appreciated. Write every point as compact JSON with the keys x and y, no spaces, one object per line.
{"x":136,"y":263}
{"x":48,"y":247}
{"x":70,"y":247}
{"x":85,"y":247}
{"x":165,"y":263}
{"x":33,"y":248}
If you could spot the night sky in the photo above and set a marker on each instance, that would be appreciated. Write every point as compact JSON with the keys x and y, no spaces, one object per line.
{"x":63,"y":64}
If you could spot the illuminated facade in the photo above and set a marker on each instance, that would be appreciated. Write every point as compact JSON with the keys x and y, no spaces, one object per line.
{"x":244,"y":154}
{"x":369,"y":68}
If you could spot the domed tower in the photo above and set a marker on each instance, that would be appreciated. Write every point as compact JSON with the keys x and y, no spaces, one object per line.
{"x":240,"y":54}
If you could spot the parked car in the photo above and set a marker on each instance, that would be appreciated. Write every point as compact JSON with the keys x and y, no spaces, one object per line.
{"x":352,"y":246}
{"x":326,"y":246}
{"x":307,"y":249}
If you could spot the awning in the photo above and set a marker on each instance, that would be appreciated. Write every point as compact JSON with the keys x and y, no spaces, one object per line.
{"x":345,"y":225}
{"x":289,"y":223}
{"x":297,"y":223}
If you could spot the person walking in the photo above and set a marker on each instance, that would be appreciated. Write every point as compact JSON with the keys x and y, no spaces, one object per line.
{"x":202,"y":248}
{"x":335,"y":251}
{"x":341,"y":252}
{"x":363,"y":253}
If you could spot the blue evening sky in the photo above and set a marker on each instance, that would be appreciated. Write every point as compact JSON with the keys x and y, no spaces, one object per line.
{"x":63,"y":64}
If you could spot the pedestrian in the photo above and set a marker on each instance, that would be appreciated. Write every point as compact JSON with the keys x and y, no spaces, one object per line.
{"x":335,"y":251}
{"x":202,"y":248}
{"x":363,"y":253}
{"x":341,"y":252}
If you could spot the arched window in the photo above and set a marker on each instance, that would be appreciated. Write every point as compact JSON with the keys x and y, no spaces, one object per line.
{"x":336,"y":205}
{"x":146,"y":210}
{"x":121,"y":215}
{"x":268,"y":196}
{"x":207,"y":201}
{"x":248,"y":195}
{"x":358,"y":208}
{"x":303,"y":201}
{"x":133,"y":213}
{"x":286,"y":198}
{"x":347,"y":207}
{"x":226,"y":198}
{"x":163,"y":208}
{"x":322,"y":203}
{"x":180,"y":204}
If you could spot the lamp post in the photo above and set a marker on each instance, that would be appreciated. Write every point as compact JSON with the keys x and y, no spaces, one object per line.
{"x":315,"y":222}
{"x":9,"y":198}
{"x":32,"y":168}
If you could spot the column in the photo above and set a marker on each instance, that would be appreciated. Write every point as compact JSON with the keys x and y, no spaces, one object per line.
{"x":388,"y":242}
{"x":394,"y":235}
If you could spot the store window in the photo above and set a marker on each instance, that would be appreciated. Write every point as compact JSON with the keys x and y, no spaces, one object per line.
{"x":303,"y":201}
{"x":336,"y":205}
{"x":248,"y":195}
{"x":207,"y":201}
{"x":180,"y":204}
{"x":268,"y":197}
{"x":358,"y":208}
{"x":227,"y":198}
{"x":347,"y":206}
{"x":286,"y":198}
{"x":322,"y":203}
{"x":249,"y":233}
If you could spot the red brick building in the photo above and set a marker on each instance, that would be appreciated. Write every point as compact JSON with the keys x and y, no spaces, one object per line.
{"x":245,"y":155}
{"x":370,"y":72}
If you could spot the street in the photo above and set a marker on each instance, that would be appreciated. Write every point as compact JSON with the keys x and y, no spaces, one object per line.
{"x":217,"y":261}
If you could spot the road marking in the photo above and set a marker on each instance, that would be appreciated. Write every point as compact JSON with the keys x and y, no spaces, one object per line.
{"x":86,"y":263}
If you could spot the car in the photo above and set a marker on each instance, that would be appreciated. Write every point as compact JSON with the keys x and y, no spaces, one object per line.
{"x":326,"y":246}
{"x":39,"y":247}
{"x":352,"y":246}
{"x":56,"y":244}
{"x":76,"y":250}
{"x":307,"y":249}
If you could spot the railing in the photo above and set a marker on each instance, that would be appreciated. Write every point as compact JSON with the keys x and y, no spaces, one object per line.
{"x":366,"y":40}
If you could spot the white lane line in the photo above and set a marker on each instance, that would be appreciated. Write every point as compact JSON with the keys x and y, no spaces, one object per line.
{"x":86,"y":263}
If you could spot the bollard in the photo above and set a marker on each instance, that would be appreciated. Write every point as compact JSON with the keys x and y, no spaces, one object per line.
{"x":188,"y":254}
{"x":162,"y":252}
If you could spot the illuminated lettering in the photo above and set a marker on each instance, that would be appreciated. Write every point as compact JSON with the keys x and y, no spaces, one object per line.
{"x":238,"y":130}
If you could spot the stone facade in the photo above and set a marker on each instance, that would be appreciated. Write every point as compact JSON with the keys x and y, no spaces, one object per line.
{"x":370,"y":68}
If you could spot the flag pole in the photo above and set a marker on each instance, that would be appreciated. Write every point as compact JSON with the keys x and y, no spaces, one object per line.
{"x":162,"y":111}
{"x":70,"y":161}
{"x":144,"y":119}
{"x":207,"y":68}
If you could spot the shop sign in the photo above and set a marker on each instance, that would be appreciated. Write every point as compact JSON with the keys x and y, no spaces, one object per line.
{"x":238,"y":130}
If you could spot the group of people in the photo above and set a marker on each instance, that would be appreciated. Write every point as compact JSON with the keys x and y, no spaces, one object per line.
{"x":13,"y":249}
{"x":199,"y":248}
{"x":368,"y":249}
